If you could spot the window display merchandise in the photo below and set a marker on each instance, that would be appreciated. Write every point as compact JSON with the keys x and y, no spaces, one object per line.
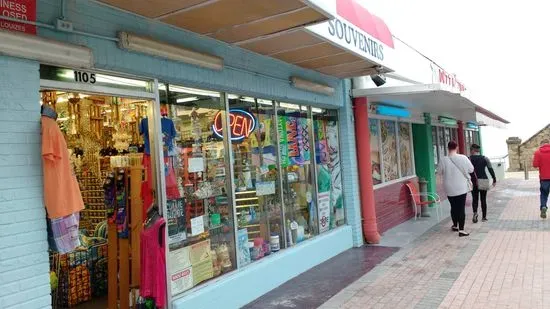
{"x":391,"y":150}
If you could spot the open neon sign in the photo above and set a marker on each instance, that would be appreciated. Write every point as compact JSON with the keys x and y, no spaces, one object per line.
{"x":241,"y":124}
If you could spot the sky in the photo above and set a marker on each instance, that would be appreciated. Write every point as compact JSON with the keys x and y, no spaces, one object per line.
{"x":496,"y":48}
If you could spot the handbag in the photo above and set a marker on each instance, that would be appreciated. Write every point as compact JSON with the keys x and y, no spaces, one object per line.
{"x":468,"y":179}
{"x":484,"y":184}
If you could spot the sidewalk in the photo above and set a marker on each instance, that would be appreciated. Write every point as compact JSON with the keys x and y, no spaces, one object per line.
{"x":501,"y":265}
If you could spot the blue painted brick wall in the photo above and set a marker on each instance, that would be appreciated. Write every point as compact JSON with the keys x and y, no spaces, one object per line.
{"x":349,"y":167}
{"x":24,"y":266}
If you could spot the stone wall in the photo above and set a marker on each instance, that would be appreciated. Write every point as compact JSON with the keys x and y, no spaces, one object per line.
{"x":520,"y":153}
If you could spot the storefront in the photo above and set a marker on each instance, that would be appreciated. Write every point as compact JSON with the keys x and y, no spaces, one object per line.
{"x":408,"y":132}
{"x":249,"y":160}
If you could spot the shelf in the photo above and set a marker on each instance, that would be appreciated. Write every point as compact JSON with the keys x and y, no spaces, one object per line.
{"x":247,"y":206}
{"x":246,"y":192}
{"x":250,"y":225}
{"x":246,"y":199}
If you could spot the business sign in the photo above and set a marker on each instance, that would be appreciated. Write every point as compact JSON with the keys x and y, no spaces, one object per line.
{"x":446,"y":79}
{"x":241,"y":124}
{"x":18,"y":9}
{"x":350,"y":30}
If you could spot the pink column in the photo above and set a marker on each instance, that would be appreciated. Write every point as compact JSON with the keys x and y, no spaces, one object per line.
{"x":362,"y":136}
{"x":461,"y":138}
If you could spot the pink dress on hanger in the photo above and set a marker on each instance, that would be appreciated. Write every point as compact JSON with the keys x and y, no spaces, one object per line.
{"x":153,"y":263}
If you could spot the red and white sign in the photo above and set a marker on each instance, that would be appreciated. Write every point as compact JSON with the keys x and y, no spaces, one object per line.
{"x":447,"y":79}
{"x":18,"y":9}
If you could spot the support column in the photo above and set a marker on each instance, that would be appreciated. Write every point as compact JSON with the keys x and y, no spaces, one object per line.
{"x":461,"y":138}
{"x":364,"y":163}
{"x":479,"y":142}
{"x":423,"y":152}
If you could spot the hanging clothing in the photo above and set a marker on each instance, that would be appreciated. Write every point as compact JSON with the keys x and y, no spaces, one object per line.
{"x":61,"y":191}
{"x":153,"y":263}
{"x":168,"y":135}
{"x":65,"y":233}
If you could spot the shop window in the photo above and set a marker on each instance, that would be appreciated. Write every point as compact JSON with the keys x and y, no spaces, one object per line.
{"x":329,"y":174}
{"x":256,"y":178}
{"x":375,"y":151}
{"x":405,"y":150}
{"x":389,"y":147}
{"x":441,"y":141}
{"x":199,"y":215}
{"x":294,"y":131}
{"x":437,"y":156}
{"x":447,"y":135}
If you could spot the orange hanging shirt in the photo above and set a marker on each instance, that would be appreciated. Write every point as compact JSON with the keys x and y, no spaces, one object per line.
{"x":61,"y":192}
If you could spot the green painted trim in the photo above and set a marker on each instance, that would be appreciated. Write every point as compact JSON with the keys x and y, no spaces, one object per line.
{"x":423,"y":152}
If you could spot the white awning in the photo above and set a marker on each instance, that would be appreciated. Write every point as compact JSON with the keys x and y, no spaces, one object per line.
{"x":434,"y":99}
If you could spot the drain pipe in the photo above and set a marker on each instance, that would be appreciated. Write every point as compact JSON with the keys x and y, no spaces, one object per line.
{"x":364,"y":164}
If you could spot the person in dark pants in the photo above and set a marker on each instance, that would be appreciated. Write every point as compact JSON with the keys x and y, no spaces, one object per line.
{"x":456,"y":169}
{"x":541,"y":160}
{"x":480,"y":181}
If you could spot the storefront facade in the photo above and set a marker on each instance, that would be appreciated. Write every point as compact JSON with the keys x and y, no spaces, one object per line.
{"x":282,"y":156}
{"x":412,"y":118}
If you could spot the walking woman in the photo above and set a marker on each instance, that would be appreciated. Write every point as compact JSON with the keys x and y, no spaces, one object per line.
{"x":481,"y":181}
{"x":456,"y":169}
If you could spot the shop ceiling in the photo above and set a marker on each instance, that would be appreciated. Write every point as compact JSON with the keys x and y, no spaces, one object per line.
{"x":430,"y":98}
{"x":275,"y":28}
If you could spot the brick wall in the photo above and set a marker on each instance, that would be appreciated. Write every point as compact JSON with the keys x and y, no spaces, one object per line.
{"x":24,"y":266}
{"x":393,"y":205}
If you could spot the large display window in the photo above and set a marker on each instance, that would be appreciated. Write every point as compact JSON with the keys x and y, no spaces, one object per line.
{"x":392,"y":152}
{"x":329,"y":173}
{"x":297,"y":162}
{"x":441,"y":136}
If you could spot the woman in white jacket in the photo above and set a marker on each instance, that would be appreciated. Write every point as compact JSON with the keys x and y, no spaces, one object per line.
{"x":456,"y":169}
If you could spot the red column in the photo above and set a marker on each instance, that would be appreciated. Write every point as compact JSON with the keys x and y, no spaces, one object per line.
{"x":366,"y":191}
{"x":461,"y":140}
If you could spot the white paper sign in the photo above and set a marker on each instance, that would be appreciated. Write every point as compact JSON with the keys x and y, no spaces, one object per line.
{"x":195,"y":165}
{"x":324,"y":211}
{"x":181,"y":280}
{"x":197,"y":225}
{"x":265,"y":188}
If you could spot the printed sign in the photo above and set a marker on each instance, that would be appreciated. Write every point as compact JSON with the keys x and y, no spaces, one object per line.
{"x":18,"y":9}
{"x":241,"y":124}
{"x":196,"y":165}
{"x":265,"y":188}
{"x":283,"y":143}
{"x":181,"y":281}
{"x":324,"y":211}
{"x":197,"y":225}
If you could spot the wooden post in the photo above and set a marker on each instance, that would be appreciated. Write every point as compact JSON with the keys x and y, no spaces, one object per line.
{"x":136,"y":220}
{"x":124,"y":274}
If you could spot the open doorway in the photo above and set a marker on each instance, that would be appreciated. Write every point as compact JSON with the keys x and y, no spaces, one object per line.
{"x":108,"y":144}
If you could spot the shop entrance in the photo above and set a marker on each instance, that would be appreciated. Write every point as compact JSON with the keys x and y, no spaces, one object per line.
{"x":111,"y":154}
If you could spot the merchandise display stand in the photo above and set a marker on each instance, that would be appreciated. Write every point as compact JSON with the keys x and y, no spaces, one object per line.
{"x":124,"y":253}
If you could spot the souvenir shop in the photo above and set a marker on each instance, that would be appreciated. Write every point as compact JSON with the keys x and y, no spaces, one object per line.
{"x":164,"y":200}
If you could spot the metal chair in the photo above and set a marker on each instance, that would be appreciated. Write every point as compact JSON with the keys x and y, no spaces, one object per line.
{"x":431,"y":199}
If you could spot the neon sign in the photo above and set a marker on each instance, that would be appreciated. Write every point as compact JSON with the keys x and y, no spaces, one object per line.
{"x":241,"y":123}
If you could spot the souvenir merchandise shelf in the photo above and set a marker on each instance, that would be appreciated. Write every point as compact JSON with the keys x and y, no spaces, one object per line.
{"x":92,"y":195}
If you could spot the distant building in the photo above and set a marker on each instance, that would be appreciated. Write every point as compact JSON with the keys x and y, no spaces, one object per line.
{"x":522,"y":153}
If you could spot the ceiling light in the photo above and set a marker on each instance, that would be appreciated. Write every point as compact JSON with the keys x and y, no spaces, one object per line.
{"x":184,"y":100}
{"x":290,"y":106}
{"x":44,"y":50}
{"x":311,"y":86}
{"x":317,"y":110}
{"x":152,"y":47}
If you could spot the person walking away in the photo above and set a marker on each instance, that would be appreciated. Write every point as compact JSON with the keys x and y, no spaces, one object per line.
{"x":480,"y":181}
{"x":541,"y":160}
{"x":456,"y":169}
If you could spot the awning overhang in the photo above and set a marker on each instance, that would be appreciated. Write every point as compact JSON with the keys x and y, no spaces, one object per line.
{"x":434,"y":99}
{"x":307,"y":33}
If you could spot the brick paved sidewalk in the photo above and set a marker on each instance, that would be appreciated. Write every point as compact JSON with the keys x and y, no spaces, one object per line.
{"x":501,"y":265}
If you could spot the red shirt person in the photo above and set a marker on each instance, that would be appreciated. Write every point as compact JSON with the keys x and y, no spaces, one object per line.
{"x":541,"y":160}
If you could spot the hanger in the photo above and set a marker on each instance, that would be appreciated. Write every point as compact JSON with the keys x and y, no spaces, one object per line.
{"x":152,"y":215}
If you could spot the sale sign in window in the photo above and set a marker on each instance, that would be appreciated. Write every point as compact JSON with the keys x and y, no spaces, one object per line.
{"x":13,"y":10}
